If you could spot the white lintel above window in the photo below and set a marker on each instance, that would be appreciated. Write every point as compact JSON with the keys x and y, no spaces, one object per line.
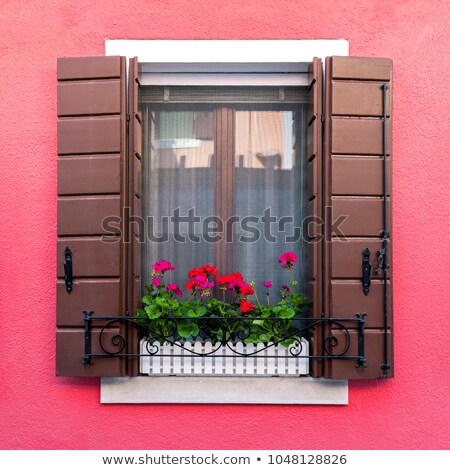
{"x":225,"y":62}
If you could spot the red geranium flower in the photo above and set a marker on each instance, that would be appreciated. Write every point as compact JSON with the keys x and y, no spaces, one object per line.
{"x":222,"y":280}
{"x":200,"y":284}
{"x":208,"y":269}
{"x":203,"y":270}
{"x":246,"y":306}
{"x":268,"y":284}
{"x":246,"y":289}
{"x":174,"y":289}
{"x":234,"y":280}
{"x":288,"y":259}
{"x":162,"y":266}
{"x":194,"y":273}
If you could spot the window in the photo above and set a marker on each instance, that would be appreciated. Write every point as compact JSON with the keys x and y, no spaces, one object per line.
{"x":348,"y":154}
{"x":231,"y":170}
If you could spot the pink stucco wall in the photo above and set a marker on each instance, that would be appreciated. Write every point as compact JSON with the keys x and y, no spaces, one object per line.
{"x":38,"y":410}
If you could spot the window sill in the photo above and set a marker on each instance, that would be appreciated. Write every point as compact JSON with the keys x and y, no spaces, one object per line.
{"x":224,"y":390}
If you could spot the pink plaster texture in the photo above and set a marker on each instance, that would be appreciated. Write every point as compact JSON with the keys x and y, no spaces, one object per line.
{"x":41,"y":411}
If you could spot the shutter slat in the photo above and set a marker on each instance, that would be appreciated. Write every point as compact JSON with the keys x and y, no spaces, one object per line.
{"x":76,"y":68}
{"x":70,"y":351}
{"x":88,"y":97}
{"x":373,"y":347}
{"x":346,"y":257}
{"x":370,"y":176}
{"x":89,"y":135}
{"x":91,"y":257}
{"x":348,"y":299}
{"x":96,"y":174}
{"x":84,"y":215}
{"x":358,"y":99}
{"x":361,"y":68}
{"x":363,"y":216}
{"x":91,"y":182}
{"x":353,"y":177}
{"x":98,"y":295}
{"x":358,"y":136}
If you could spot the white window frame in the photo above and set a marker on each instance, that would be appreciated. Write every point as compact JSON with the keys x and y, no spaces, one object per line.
{"x":225,"y":62}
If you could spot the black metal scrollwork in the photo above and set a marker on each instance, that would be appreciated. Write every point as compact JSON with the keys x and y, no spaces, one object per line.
{"x":233,"y":331}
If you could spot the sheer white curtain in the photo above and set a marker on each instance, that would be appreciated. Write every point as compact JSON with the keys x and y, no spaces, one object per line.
{"x":179,"y":180}
{"x":269,"y":182}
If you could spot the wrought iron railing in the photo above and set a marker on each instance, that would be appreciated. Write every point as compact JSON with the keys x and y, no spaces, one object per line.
{"x":234,"y":329}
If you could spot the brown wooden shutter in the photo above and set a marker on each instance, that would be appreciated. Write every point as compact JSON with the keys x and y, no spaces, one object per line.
{"x":136,"y":225}
{"x":313,"y":228}
{"x":91,"y":187}
{"x":353,"y":187}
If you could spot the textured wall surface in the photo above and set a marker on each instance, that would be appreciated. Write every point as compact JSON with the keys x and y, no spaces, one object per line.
{"x":38,"y":410}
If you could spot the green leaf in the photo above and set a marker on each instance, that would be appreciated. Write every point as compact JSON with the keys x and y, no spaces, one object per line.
{"x":287,"y":313}
{"x":161,"y":302}
{"x":153,"y":312}
{"x":200,"y":311}
{"x":264,"y":338}
{"x":148,"y":299}
{"x":187,"y":329}
{"x":252,"y":339}
{"x":287,"y":342}
{"x":140,"y":313}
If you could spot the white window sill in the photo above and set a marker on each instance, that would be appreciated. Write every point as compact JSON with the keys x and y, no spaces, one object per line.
{"x":224,"y":390}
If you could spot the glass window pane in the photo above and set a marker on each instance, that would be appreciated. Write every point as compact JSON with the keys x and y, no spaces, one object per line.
{"x":182,"y":181}
{"x":269,"y":185}
{"x":179,"y":189}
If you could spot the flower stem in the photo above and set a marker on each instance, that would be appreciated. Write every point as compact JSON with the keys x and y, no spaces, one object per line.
{"x":256,"y":297}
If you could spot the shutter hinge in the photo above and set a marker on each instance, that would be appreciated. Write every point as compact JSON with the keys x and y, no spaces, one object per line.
{"x":128,"y":118}
{"x":322,"y":117}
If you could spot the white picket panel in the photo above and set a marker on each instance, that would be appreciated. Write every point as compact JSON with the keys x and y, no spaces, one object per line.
{"x":271,"y":363}
{"x":241,"y":362}
{"x":209,"y":360}
{"x":174,"y":360}
{"x":198,"y":366}
{"x":166,"y":360}
{"x":261,"y":361}
{"x":292,"y":366}
{"x":229,"y":362}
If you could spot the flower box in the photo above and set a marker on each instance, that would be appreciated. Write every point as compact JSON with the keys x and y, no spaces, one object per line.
{"x":232,"y":336}
{"x":204,"y":359}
